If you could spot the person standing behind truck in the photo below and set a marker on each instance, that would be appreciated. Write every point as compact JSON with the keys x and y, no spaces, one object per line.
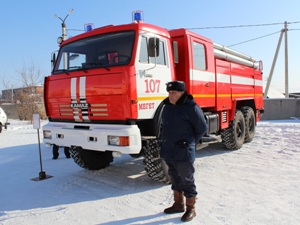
{"x":183,"y":125}
{"x":55,"y":152}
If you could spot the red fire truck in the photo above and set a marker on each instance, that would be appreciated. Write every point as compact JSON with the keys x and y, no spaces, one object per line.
{"x":104,"y":95}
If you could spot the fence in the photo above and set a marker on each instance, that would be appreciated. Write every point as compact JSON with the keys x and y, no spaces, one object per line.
{"x":281,"y":108}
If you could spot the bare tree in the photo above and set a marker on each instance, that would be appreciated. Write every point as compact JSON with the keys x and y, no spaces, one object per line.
{"x":30,"y":75}
{"x":29,"y":98}
{"x":6,"y":83}
{"x":7,"y":94}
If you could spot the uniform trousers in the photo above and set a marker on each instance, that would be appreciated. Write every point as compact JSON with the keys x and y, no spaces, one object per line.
{"x":182,"y":177}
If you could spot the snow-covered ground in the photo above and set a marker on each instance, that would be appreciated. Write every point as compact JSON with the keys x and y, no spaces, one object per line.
{"x":258,"y":184}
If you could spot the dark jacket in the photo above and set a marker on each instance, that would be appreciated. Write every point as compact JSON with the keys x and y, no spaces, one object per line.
{"x":183,"y":125}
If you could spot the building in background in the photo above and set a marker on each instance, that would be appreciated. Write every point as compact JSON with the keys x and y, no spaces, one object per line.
{"x":11,"y":95}
{"x":23,"y":102}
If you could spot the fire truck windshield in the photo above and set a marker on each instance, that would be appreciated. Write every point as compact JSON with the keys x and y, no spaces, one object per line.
{"x":104,"y":50}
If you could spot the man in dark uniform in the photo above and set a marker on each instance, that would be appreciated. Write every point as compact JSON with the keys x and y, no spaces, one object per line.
{"x":183,"y":125}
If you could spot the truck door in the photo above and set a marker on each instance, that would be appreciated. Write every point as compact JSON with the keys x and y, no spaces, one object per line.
{"x":202,"y":77}
{"x":152,"y":75}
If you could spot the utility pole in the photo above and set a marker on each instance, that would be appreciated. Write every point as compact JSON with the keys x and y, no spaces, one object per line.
{"x":283,"y":31}
{"x":286,"y":62}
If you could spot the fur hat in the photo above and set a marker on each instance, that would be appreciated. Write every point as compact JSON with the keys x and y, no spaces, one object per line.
{"x":175,"y":86}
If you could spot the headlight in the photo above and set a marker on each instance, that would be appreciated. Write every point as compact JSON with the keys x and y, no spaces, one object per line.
{"x":118,"y":140}
{"x":47,"y":134}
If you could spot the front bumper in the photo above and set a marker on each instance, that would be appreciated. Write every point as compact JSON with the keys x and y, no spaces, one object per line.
{"x":92,"y":136}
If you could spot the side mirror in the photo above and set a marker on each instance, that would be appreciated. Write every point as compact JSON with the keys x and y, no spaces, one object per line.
{"x":153,"y":47}
{"x":53,"y":59}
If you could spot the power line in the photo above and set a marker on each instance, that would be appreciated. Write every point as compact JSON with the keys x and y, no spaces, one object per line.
{"x":293,"y":22}
{"x":240,"y":26}
{"x":76,"y":29}
{"x":254,"y":39}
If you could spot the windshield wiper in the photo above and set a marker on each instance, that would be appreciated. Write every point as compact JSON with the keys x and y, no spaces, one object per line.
{"x":62,"y":70}
{"x":77,"y":68}
{"x":91,"y":65}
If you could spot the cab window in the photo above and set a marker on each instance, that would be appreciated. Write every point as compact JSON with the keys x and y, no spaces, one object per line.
{"x":199,"y":56}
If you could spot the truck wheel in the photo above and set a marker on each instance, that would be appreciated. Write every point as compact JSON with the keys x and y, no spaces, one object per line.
{"x":91,"y":160}
{"x":156,"y":167}
{"x":250,"y":123}
{"x":233,"y":137}
{"x":1,"y":128}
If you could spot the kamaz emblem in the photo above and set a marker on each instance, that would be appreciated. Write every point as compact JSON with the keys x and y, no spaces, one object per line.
{"x":79,"y":105}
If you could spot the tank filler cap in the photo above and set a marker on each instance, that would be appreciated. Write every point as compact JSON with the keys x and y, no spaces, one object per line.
{"x":137,"y":16}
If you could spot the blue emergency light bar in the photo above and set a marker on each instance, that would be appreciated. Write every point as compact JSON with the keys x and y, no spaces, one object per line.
{"x":137,"y":16}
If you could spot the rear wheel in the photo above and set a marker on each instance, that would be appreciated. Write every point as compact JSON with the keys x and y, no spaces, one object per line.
{"x":91,"y":160}
{"x":250,"y":123}
{"x":233,"y":137}
{"x":1,"y":128}
{"x":156,"y":167}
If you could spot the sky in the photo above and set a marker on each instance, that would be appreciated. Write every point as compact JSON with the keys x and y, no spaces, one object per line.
{"x":257,"y":184}
{"x":30,"y":29}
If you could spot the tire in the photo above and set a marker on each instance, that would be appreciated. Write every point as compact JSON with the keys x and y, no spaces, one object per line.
{"x":1,"y":128}
{"x":250,"y":123}
{"x":233,"y":137}
{"x":156,"y":167}
{"x":91,"y":160}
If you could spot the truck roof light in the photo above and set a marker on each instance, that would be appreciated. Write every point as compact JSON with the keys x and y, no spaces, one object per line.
{"x":88,"y":27}
{"x":137,"y":16}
